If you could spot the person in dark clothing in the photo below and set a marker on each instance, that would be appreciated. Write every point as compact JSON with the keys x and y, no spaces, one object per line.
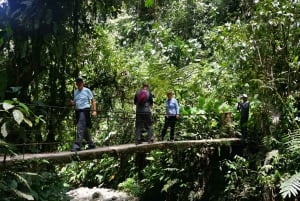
{"x":143,"y":100}
{"x":83,"y":100}
{"x":244,"y":107}
{"x":172,"y":114}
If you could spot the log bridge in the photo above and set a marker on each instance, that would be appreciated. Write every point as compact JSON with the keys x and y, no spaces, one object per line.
{"x":67,"y":156}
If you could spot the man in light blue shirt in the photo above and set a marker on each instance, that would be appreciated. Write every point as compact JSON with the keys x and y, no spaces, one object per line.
{"x":172,"y":115}
{"x":83,"y":100}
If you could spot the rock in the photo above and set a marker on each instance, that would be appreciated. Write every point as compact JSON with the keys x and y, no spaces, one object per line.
{"x":98,"y":194}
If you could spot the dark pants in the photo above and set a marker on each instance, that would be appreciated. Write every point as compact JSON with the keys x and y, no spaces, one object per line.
{"x":143,"y":120}
{"x":243,"y":124}
{"x":82,"y":130}
{"x":169,"y":122}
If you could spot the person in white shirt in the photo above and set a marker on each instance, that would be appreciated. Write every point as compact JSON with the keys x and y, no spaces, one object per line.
{"x":83,"y":101}
{"x":172,"y":115}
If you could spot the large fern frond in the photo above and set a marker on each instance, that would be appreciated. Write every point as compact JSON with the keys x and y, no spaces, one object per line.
{"x":292,"y":140}
{"x":290,"y":187}
{"x":169,"y":184}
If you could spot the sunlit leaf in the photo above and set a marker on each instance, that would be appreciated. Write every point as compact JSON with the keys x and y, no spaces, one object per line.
{"x":112,"y":177}
{"x":149,"y":3}
{"x":7,"y":106}
{"x":150,"y":158}
{"x":4,"y":130}
{"x":18,"y":116}
{"x":23,"y":195}
{"x":28,"y":122}
{"x":169,"y":184}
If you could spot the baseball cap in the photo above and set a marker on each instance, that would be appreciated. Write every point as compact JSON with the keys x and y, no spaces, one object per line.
{"x":244,"y":96}
{"x":79,"y":79}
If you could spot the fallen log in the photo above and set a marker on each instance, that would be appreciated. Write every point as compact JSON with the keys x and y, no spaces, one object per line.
{"x":97,"y":153}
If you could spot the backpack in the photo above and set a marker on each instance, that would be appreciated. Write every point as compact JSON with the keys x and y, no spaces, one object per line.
{"x":142,"y":97}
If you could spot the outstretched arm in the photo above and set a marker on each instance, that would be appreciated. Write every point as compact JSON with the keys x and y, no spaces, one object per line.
{"x":177,"y":109}
{"x":94,"y":107}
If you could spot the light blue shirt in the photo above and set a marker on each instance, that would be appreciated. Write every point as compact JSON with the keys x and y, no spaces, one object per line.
{"x":172,"y":107}
{"x":82,"y":98}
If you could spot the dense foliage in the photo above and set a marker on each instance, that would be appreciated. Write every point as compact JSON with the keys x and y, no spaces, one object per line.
{"x":208,"y":53}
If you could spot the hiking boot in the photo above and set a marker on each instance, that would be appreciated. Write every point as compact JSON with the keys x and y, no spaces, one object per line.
{"x":91,"y":146}
{"x":138,"y":142}
{"x":75,"y":149}
{"x":150,"y":141}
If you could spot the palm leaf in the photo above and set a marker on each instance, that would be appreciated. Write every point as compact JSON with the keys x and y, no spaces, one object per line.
{"x":292,"y":141}
{"x":20,"y":178}
{"x":290,"y":187}
{"x":169,"y":184}
{"x":23,"y":195}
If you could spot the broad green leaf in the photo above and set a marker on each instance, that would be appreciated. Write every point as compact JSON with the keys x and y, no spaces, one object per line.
{"x":18,"y":116}
{"x":149,"y":3}
{"x":23,"y":195}
{"x":7,"y":106}
{"x":24,"y":107}
{"x":28,"y":122}
{"x":4,"y":130}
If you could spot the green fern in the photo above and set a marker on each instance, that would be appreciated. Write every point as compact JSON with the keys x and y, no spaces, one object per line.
{"x":169,"y":184}
{"x":292,"y":141}
{"x":290,"y":187}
